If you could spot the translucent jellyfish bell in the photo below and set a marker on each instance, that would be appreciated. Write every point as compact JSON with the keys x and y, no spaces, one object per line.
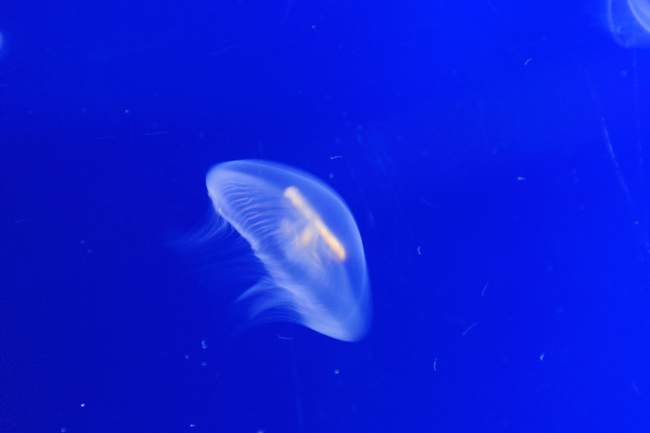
{"x":307,"y":240}
{"x":629,"y":22}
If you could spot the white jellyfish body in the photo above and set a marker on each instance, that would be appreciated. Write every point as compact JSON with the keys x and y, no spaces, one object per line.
{"x":307,"y":240}
{"x":629,"y":22}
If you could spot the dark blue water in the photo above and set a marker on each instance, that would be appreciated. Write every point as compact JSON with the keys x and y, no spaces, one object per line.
{"x":492,"y":152}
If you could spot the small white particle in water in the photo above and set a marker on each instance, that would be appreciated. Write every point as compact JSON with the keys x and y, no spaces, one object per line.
{"x":541,"y":357}
{"x":83,"y":404}
{"x":419,"y":252}
{"x":435,"y":361}
{"x":282,"y":337}
{"x":203,"y":345}
{"x":336,"y":371}
{"x":470,"y":327}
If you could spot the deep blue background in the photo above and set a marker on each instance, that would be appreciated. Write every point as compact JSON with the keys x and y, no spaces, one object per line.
{"x":476,"y":132}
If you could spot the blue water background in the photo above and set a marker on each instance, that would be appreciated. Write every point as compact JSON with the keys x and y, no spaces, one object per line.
{"x":493,"y":154}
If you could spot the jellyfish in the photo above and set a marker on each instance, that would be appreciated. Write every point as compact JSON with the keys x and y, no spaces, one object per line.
{"x":307,"y":241}
{"x":2,"y":46}
{"x":629,"y":22}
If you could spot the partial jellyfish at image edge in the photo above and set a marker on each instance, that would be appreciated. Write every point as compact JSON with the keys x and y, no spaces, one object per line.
{"x":628,"y":22}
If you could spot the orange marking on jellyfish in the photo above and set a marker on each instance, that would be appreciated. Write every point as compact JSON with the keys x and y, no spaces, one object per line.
{"x":300,"y":203}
